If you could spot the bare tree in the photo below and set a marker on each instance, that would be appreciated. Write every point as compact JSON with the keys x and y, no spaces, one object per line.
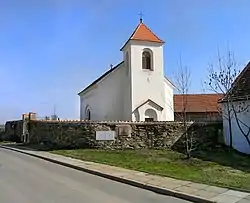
{"x":244,"y":128}
{"x":223,"y":78}
{"x":183,"y":82}
{"x":217,"y":111}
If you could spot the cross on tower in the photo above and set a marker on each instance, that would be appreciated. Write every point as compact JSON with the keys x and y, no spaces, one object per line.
{"x":140,"y":14}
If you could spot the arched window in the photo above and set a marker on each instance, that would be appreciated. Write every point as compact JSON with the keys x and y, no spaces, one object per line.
{"x":147,"y":60}
{"x":87,"y":113}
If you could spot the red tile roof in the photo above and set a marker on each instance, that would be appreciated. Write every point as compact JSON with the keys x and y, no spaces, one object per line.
{"x":197,"y":103}
{"x":143,"y":33}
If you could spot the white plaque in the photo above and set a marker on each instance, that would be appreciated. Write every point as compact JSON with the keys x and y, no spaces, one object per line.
{"x":105,"y":135}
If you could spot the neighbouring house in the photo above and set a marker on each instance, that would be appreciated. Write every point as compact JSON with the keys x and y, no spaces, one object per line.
{"x":135,"y":89}
{"x":236,"y":104}
{"x":30,"y":115}
{"x":198,"y":107}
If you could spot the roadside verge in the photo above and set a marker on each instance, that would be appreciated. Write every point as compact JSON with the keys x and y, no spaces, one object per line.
{"x":114,"y":175}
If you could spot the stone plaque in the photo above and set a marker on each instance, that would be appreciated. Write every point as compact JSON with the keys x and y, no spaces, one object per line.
{"x":105,"y":135}
{"x":124,"y":130}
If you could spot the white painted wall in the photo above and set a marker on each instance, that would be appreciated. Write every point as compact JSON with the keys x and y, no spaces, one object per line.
{"x":169,"y":100}
{"x":126,"y":87}
{"x":148,"y":84}
{"x":238,"y":140}
{"x":106,"y":97}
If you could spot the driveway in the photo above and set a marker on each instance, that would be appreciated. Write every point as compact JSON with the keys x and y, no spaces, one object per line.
{"x":25,"y":179}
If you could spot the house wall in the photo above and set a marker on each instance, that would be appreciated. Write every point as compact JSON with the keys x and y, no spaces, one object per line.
{"x":106,"y":98}
{"x":147,"y":84}
{"x":239,"y":142}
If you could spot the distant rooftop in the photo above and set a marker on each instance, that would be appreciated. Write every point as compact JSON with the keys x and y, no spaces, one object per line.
{"x":197,"y":103}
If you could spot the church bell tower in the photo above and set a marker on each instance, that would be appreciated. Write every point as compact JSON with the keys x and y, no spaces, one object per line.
{"x":143,"y":57}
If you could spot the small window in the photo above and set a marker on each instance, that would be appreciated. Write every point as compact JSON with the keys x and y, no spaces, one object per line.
{"x":146,"y":60}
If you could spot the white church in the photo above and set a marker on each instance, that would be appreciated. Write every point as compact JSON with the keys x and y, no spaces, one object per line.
{"x":135,"y":89}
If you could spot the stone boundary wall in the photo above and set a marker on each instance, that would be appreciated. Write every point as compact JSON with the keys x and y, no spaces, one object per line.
{"x":13,"y":131}
{"x":204,"y":135}
{"x":128,"y":135}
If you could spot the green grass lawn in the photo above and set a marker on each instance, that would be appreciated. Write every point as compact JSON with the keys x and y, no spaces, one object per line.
{"x":6,"y":142}
{"x":215,"y":168}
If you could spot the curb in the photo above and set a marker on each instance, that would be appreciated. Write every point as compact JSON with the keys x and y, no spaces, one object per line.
{"x":159,"y":190}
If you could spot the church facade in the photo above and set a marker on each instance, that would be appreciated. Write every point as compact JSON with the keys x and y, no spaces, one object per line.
{"x":135,"y":89}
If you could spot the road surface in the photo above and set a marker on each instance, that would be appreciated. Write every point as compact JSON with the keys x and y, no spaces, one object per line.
{"x":25,"y":179}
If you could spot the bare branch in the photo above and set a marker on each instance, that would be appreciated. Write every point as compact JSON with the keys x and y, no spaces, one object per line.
{"x":223,"y":79}
{"x":239,"y":124}
{"x":183,"y":83}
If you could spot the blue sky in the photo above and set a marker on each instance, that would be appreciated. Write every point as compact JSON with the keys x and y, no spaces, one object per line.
{"x":51,"y":49}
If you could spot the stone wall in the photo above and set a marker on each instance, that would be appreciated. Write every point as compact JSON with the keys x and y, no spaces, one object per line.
{"x":13,"y":131}
{"x":202,"y":135}
{"x":128,"y":135}
{"x":1,"y":134}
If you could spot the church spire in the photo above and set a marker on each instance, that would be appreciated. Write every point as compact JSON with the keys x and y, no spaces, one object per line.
{"x":143,"y":33}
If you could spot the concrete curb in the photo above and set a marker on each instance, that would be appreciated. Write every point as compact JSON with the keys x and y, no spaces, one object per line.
{"x":159,"y":190}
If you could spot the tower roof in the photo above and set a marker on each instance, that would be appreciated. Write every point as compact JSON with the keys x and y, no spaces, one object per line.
{"x":143,"y":33}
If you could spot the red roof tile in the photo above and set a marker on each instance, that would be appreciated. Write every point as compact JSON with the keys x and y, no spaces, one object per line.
{"x":197,"y":103}
{"x":143,"y":33}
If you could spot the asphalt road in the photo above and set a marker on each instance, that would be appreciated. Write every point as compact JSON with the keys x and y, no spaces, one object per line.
{"x":25,"y":179}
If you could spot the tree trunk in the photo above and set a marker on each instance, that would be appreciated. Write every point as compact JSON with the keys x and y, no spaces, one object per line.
{"x":230,"y":127}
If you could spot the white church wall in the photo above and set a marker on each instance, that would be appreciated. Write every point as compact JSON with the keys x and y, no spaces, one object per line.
{"x":126,"y":87}
{"x":147,"y":84}
{"x":106,"y":98}
{"x":169,"y":101}
{"x":239,"y":142}
{"x":85,"y":101}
